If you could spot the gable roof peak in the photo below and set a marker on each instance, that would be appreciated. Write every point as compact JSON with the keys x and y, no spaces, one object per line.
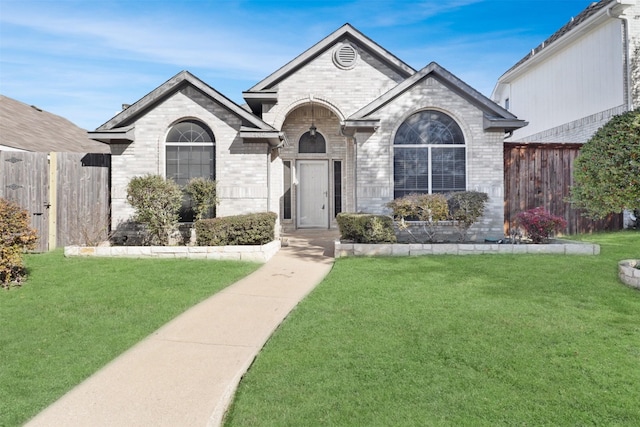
{"x":496,"y":116}
{"x":346,"y":29}
{"x":174,"y":84}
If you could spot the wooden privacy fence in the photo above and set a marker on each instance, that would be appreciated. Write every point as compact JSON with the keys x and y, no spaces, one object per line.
{"x":65,"y":194}
{"x":542,"y":175}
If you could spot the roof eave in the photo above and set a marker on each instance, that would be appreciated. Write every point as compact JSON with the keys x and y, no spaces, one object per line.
{"x":118,"y":135}
{"x":255,"y":100}
{"x":251,"y":135}
{"x":360,"y":124}
{"x":502,"y":124}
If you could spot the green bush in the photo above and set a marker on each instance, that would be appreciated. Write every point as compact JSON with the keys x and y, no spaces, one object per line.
{"x":157,"y":202}
{"x":429,"y":208}
{"x":465,"y":208}
{"x":16,"y":236}
{"x":202,"y":192}
{"x":249,"y":229}
{"x":366,"y":228}
{"x":606,"y":173}
{"x":421,"y":207}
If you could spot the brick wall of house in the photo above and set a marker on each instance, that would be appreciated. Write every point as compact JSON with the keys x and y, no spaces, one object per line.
{"x":346,"y":91}
{"x":336,"y":93}
{"x":577,"y":131}
{"x":241,"y":167}
{"x":484,"y":152}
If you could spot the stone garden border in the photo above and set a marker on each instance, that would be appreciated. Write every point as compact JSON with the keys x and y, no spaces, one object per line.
{"x":629,"y":273}
{"x":415,"y":249}
{"x":253,"y":253}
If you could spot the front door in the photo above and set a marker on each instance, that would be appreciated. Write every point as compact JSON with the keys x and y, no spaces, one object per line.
{"x":313,"y":194}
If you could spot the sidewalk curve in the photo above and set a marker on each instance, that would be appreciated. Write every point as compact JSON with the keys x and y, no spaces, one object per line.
{"x":185,"y":373}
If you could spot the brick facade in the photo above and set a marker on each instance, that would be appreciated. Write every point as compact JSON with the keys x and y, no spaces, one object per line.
{"x":314,"y":88}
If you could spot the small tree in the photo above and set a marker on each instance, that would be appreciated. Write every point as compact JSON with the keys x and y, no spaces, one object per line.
{"x":16,"y":236}
{"x":465,"y":208}
{"x":157,"y":202}
{"x":607,"y":171}
{"x":203,"y":195}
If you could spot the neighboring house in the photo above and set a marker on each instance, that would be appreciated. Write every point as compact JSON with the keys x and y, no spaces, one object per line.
{"x":344,"y":127}
{"x":567,"y":88}
{"x":576,"y":80}
{"x":28,"y":128}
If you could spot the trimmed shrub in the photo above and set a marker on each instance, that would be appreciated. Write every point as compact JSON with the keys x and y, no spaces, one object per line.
{"x":366,"y":228}
{"x":202,"y":192}
{"x":539,"y":224}
{"x":429,"y":208}
{"x":465,"y":208}
{"x":606,"y":173}
{"x":420,"y":207}
{"x":157,"y":202}
{"x":16,"y":236}
{"x":248,"y":229}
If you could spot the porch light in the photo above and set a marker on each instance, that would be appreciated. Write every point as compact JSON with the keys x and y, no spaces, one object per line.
{"x":312,"y":129}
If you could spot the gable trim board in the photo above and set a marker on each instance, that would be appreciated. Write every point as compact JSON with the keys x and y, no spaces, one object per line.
{"x":495,"y":117}
{"x":258,"y":163}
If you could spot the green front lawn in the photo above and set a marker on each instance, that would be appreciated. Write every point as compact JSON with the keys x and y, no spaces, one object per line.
{"x":74,"y":315}
{"x":478,"y":340}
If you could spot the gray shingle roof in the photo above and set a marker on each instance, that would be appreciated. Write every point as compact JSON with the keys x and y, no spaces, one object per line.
{"x":29,"y":128}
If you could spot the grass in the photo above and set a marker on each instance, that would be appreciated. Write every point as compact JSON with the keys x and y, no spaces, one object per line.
{"x":74,"y":315}
{"x":478,"y":340}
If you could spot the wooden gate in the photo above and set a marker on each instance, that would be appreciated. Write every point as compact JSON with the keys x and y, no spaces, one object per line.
{"x":24,"y":179}
{"x":542,"y":175}
{"x":66,"y":194}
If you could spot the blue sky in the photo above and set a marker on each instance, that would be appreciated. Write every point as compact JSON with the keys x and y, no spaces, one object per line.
{"x":84,"y":59}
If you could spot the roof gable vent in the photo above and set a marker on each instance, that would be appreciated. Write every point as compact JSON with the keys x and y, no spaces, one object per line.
{"x":345,"y":56}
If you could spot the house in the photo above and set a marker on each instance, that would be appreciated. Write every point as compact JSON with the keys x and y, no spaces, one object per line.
{"x":576,"y":80}
{"x":346,"y":126}
{"x":567,"y":88}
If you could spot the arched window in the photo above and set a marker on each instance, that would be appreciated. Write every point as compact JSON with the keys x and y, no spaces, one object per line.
{"x":312,"y":143}
{"x":429,"y":155}
{"x":190,"y":149}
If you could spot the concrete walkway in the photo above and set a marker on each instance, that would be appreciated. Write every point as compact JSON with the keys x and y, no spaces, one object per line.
{"x":185,"y":374}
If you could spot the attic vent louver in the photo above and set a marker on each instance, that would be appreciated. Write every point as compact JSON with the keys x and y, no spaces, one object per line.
{"x":345,"y":56}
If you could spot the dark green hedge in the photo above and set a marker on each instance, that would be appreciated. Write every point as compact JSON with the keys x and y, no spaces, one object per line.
{"x":249,"y":229}
{"x":366,"y":228}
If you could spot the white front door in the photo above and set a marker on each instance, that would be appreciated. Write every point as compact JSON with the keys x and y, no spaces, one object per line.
{"x":313,"y":194}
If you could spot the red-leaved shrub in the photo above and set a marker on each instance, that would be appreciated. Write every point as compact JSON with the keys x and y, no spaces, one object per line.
{"x":539,"y":224}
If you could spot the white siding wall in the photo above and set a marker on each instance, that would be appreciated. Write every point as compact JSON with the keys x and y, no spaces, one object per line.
{"x":583,"y":79}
